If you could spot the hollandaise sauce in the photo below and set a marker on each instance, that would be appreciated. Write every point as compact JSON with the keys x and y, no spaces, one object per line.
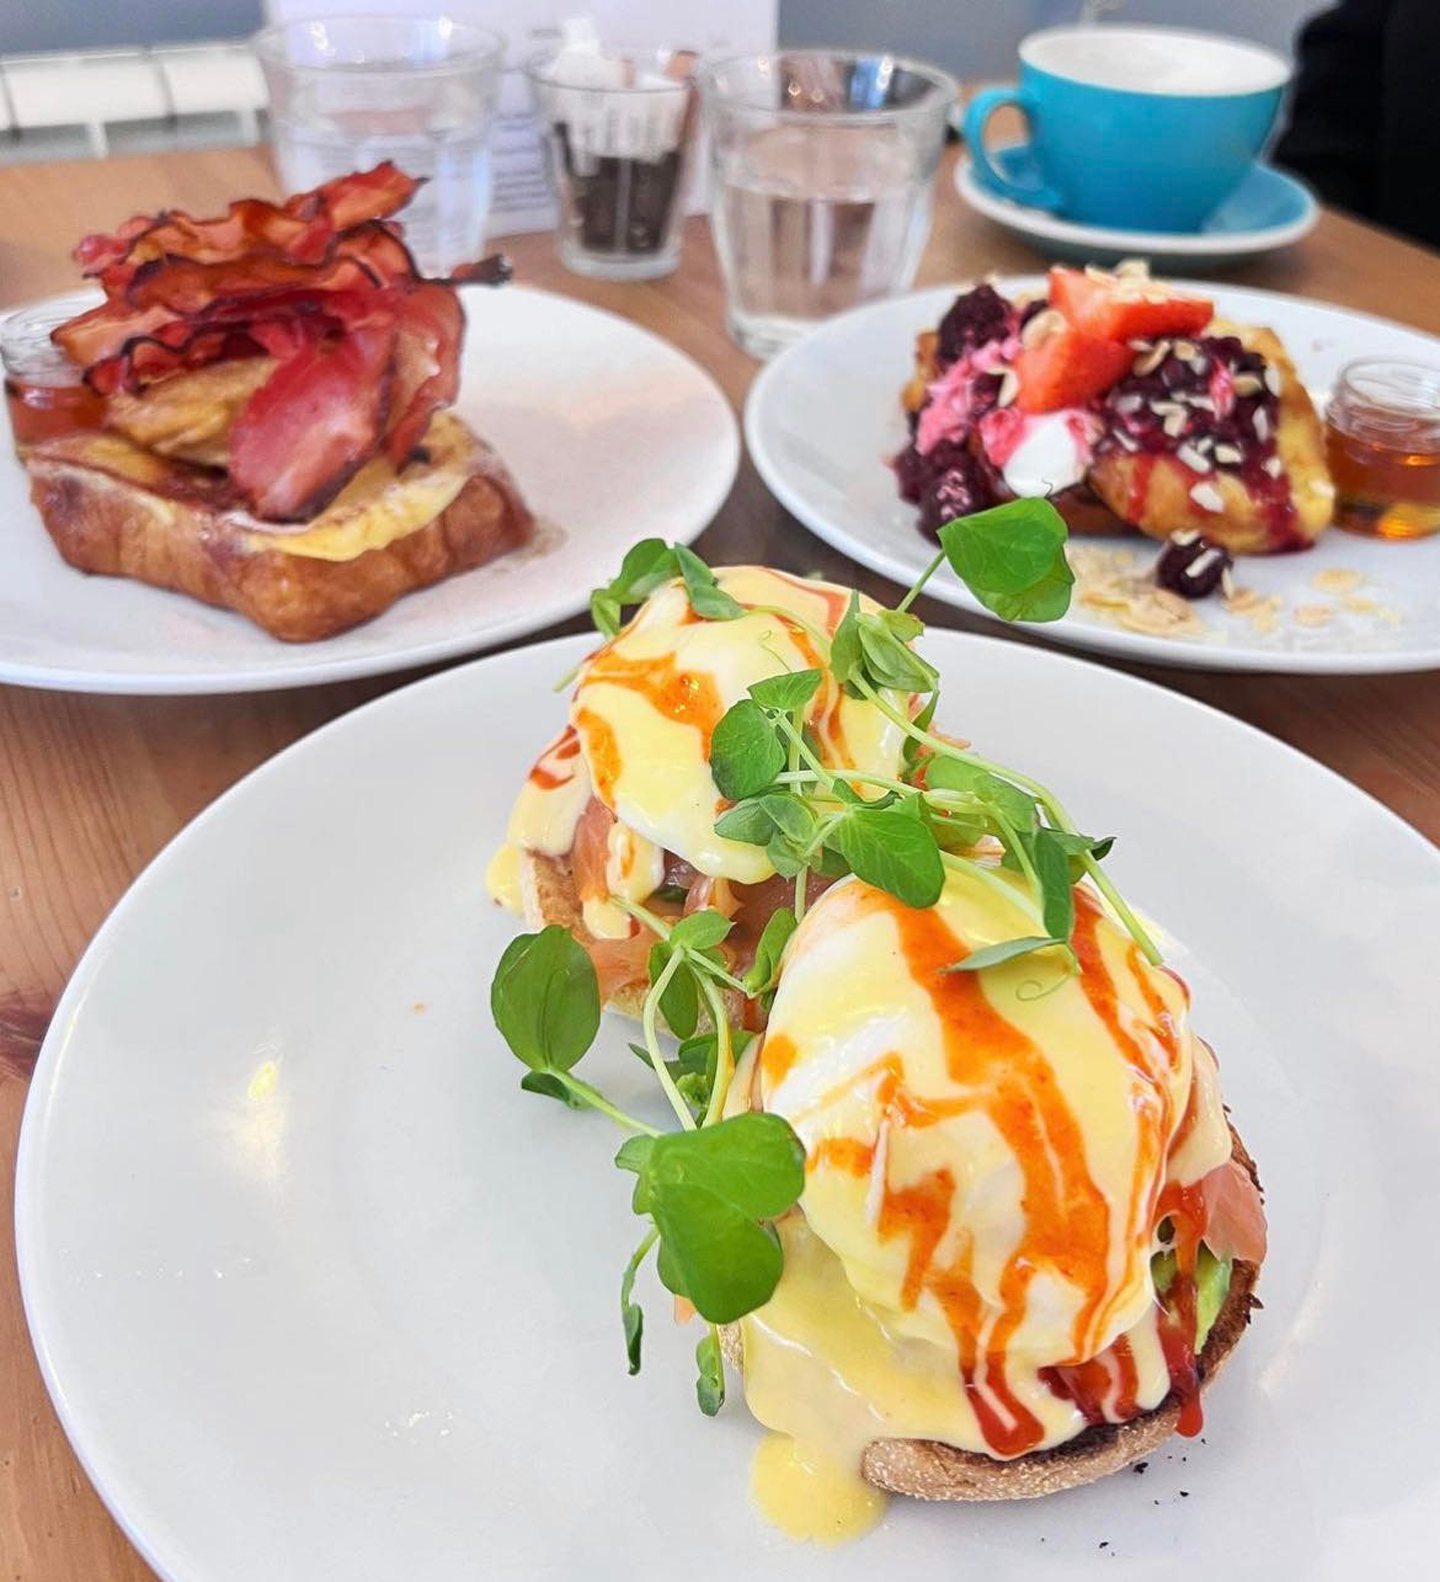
{"x":988,"y":1156}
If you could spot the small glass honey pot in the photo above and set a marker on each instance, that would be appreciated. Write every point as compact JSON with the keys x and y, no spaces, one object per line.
{"x":1382,"y":441}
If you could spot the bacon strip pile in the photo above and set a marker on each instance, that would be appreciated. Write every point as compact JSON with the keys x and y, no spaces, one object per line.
{"x":367,"y":347}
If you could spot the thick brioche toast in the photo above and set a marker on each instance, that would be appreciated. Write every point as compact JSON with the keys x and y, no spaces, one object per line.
{"x":928,"y":1470}
{"x":114,"y":508}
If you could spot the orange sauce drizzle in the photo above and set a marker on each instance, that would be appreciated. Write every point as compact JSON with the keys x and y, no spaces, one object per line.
{"x":777,"y":1055}
{"x":544,"y":774}
{"x":845,"y":1153}
{"x":1005,"y":1074}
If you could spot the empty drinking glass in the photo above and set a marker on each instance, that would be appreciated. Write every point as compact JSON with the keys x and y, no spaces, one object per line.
{"x":823,"y":165}
{"x":347,"y":92}
{"x":618,"y":126}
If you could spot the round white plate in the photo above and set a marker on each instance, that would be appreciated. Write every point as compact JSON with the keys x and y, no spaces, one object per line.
{"x":1269,"y":210}
{"x":823,"y":418}
{"x":321,"y":1294}
{"x":611,"y":433}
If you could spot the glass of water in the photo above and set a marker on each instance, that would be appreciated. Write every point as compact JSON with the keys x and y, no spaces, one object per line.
{"x":823,"y":166}
{"x":347,"y":92}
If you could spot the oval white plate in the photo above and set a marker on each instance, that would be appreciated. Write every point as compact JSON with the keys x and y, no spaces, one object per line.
{"x":319,"y":1293}
{"x":822,"y":418}
{"x":611,"y":433}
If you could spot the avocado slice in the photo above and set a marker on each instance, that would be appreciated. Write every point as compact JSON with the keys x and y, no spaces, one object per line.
{"x":1212,"y":1286}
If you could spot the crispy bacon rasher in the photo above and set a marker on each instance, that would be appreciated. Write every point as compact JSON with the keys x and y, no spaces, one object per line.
{"x":367,"y":347}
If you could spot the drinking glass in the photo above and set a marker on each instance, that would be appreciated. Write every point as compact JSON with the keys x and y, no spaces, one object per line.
{"x":618,"y":128}
{"x":347,"y":92}
{"x":823,"y":166}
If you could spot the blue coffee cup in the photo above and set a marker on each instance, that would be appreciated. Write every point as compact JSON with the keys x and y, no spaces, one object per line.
{"x":1144,"y":128}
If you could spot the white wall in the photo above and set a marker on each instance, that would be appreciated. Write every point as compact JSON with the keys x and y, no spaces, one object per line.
{"x":977,"y":38}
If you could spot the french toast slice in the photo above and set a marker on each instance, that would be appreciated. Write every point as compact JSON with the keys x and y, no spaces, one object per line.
{"x":117,"y":509}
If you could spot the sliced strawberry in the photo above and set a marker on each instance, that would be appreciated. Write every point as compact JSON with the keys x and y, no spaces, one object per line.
{"x":1068,"y":368}
{"x":1121,"y":308}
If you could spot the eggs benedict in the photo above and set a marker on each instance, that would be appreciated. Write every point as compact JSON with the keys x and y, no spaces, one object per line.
{"x":952,"y":1186}
{"x":617,"y":818}
{"x":1027,"y":1237}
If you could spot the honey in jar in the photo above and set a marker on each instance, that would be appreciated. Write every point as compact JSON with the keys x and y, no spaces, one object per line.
{"x":1382,"y":442}
{"x":45,"y":395}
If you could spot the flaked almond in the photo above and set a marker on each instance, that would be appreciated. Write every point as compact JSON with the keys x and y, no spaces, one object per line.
{"x":1262,"y":424}
{"x":1128,"y":403}
{"x":1229,"y":455}
{"x":1195,"y":459}
{"x":1248,"y":384}
{"x":1274,"y":466}
{"x":1126,"y":443}
{"x":1041,"y":327}
{"x":1199,"y":364}
{"x":1274,"y":381}
{"x":1148,"y":362}
{"x":1201,"y":403}
{"x":1009,"y":388}
{"x":1336,"y":579}
{"x":1186,"y":349}
{"x":1207,"y":497}
{"x":1174,"y":424}
{"x":1133,"y":267}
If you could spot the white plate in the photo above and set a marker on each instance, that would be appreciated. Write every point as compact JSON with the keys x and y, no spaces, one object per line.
{"x":611,"y":433}
{"x":1268,"y":211}
{"x":824,"y":416}
{"x":319,"y":1293}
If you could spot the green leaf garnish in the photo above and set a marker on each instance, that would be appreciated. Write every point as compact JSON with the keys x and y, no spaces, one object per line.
{"x":545,"y":999}
{"x":709,"y":1193}
{"x":765,"y":969}
{"x":1012,"y":558}
{"x":647,"y":565}
{"x":1052,"y":871}
{"x":845,"y":654}
{"x":1006,"y":950}
{"x":893,"y":849}
{"x":701,"y":930}
{"x":680,"y":998}
{"x":745,"y":752}
{"x":888,"y":661}
{"x":632,"y":1319}
{"x":553,"y":1085}
{"x":1017,"y":807}
{"x":707,"y":598}
{"x":787,"y":692}
{"x":709,"y":1373}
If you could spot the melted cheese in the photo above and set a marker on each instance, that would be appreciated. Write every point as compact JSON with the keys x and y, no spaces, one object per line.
{"x":985,"y":1155}
{"x":647,"y":703}
{"x":377,"y":506}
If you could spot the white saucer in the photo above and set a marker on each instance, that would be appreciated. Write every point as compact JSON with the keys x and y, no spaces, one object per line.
{"x":1269,"y":210}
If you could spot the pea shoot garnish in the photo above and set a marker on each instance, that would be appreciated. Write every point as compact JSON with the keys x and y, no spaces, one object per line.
{"x":709,"y":1190}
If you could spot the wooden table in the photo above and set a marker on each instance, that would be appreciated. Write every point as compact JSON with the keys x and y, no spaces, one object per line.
{"x":92,"y":787}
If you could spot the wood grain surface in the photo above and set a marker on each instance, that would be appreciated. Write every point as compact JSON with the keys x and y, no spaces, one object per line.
{"x":92,"y":787}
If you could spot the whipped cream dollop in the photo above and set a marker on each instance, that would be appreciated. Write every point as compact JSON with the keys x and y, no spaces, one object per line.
{"x":1040,"y":453}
